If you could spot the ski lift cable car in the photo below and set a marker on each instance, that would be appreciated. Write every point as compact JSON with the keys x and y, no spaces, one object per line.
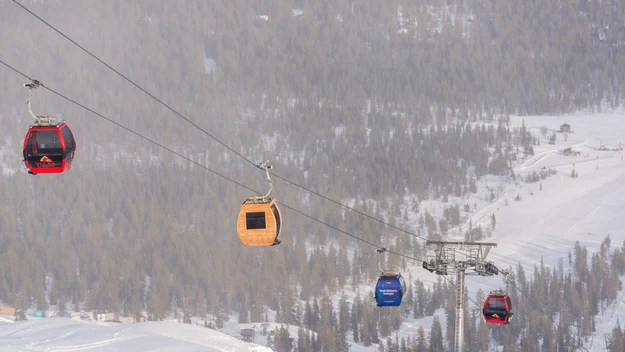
{"x":390,"y":288}
{"x":49,"y":145}
{"x":497,"y":308}
{"x":259,"y":222}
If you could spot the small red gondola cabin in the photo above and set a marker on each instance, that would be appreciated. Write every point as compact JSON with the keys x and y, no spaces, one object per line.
{"x":497,"y":309}
{"x":49,"y":147}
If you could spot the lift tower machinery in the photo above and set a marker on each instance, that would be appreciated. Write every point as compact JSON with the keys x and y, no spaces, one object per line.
{"x":462,"y":258}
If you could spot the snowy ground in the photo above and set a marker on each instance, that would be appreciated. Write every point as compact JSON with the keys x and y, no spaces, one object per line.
{"x":606,"y":322}
{"x":59,"y":334}
{"x":546,"y":225}
{"x":8,"y":158}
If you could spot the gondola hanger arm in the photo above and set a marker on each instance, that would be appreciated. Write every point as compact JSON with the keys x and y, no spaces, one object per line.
{"x":39,"y":120}
{"x":266,"y":166}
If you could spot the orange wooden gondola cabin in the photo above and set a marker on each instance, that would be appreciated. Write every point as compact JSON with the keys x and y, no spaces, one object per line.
{"x":260,"y":221}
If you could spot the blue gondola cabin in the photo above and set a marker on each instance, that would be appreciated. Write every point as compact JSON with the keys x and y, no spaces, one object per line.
{"x":390,"y":290}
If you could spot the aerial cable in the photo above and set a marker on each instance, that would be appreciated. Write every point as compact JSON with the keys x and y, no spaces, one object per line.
{"x":199,"y":164}
{"x":209,"y":134}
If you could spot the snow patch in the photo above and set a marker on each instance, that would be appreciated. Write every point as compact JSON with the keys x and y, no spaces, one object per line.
{"x":209,"y":65}
{"x":339,"y":131}
{"x":76,"y":335}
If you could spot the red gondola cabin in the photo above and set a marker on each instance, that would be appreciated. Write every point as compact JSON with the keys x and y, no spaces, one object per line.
{"x":497,"y":309}
{"x":49,"y":149}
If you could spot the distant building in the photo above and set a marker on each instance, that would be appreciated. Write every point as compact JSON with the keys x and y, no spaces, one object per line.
{"x":106,"y":316}
{"x":248,"y":334}
{"x":565,"y":128}
{"x":569,"y":151}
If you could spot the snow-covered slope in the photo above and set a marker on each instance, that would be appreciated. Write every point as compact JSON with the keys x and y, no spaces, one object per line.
{"x":545,"y":224}
{"x":71,"y":335}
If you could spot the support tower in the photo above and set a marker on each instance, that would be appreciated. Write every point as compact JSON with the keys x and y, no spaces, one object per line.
{"x":463,"y":258}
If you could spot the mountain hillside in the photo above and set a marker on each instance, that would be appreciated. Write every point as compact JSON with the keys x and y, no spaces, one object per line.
{"x":416,"y":115}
